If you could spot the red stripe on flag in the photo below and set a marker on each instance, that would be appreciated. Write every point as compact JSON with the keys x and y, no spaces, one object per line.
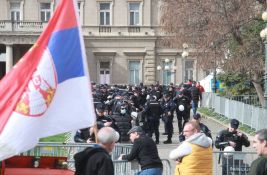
{"x":15,"y":82}
{"x":62,"y":18}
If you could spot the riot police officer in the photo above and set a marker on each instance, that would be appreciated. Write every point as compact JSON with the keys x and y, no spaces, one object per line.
{"x":153,"y":111}
{"x":182,"y":110}
{"x":123,"y":122}
{"x":168,"y":107}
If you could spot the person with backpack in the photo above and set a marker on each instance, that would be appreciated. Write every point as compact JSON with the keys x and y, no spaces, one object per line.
{"x":96,"y":159}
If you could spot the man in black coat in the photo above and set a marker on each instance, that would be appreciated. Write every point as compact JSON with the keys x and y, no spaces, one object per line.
{"x":123,"y":123}
{"x":203,"y":128}
{"x":145,"y":151}
{"x":153,"y":112}
{"x":196,"y":97}
{"x":95,"y":160}
{"x":168,"y":107}
{"x":182,"y":110}
{"x":259,"y":166}
{"x":234,"y":138}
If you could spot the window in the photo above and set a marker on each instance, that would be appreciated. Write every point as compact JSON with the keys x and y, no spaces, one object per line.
{"x":189,"y":70}
{"x":134,"y":72}
{"x":104,"y":65}
{"x":167,"y":74}
{"x":15,"y":11}
{"x":79,"y":8}
{"x":104,"y":74}
{"x":45,"y":11}
{"x":134,"y":13}
{"x":104,"y":13}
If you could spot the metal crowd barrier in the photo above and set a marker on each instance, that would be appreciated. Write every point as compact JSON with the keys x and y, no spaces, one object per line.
{"x":69,"y":149}
{"x":224,"y":163}
{"x":250,"y":115}
{"x":131,"y":168}
{"x":232,"y":163}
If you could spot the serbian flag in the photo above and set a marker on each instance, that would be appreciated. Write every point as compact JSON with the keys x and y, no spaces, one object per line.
{"x":47,"y":92}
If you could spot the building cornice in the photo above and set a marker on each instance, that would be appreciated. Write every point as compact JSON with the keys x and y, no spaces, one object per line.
{"x":18,"y":39}
{"x":134,"y":53}
{"x":143,"y":38}
{"x":168,"y":52}
{"x":104,"y":53}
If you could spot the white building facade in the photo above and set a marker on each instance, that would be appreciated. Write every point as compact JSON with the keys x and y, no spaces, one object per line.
{"x":121,"y":40}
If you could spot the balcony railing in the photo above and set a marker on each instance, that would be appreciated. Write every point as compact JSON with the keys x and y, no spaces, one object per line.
{"x":104,"y":29}
{"x":119,"y":30}
{"x":27,"y":26}
{"x":38,"y":27}
{"x":134,"y":29}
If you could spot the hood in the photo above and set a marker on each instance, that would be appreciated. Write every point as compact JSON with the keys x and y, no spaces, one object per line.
{"x":200,"y":139}
{"x":82,"y":157}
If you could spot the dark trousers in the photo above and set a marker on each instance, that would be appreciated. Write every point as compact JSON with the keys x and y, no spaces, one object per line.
{"x":164,"y":119}
{"x":153,"y":127}
{"x":169,"y":126}
{"x":185,"y":115}
{"x":194,"y":106}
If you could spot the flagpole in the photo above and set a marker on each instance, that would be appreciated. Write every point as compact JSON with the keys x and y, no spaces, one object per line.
{"x":95,"y":132}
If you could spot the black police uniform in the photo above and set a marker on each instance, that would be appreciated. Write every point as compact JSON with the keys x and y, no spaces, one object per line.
{"x":82,"y":135}
{"x":168,"y":106}
{"x":123,"y":125}
{"x":182,"y":115}
{"x":153,"y":111}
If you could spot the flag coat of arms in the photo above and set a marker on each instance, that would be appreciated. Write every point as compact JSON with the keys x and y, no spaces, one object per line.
{"x":48,"y":91}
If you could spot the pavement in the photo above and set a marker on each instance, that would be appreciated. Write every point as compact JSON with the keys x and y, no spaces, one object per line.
{"x":214,"y":126}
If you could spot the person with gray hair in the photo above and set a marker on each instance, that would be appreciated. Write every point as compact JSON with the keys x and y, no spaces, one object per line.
{"x":96,"y":159}
{"x":259,"y":166}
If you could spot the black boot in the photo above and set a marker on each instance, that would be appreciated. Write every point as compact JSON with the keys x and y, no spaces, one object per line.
{"x":180,"y":126}
{"x":167,"y":141}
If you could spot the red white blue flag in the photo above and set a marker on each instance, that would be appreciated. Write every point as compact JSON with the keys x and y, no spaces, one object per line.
{"x":47,"y":92}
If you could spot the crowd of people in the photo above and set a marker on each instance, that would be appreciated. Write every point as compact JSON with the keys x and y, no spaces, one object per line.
{"x":122,"y":107}
{"x":133,"y":114}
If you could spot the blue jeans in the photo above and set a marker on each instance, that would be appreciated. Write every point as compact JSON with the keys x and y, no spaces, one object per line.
{"x":194,"y":106}
{"x":151,"y":171}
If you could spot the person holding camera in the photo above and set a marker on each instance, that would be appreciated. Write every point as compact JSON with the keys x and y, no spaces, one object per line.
{"x":231,"y":137}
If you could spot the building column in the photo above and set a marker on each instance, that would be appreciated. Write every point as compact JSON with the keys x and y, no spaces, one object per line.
{"x":150,"y":67}
{"x":9,"y":57}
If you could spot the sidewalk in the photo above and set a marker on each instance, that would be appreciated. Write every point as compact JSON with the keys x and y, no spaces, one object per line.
{"x":164,"y":149}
